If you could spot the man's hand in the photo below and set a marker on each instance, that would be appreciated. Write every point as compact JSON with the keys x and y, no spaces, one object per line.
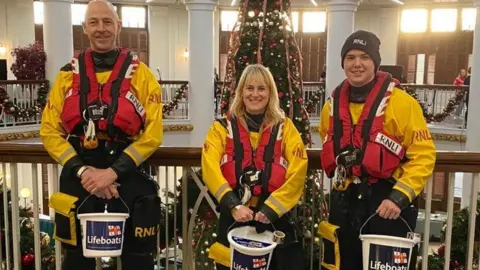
{"x":108,"y":193}
{"x":260,"y":217}
{"x":388,"y":210}
{"x":242,"y":214}
{"x":94,"y":180}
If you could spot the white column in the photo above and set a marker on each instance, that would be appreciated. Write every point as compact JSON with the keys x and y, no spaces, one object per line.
{"x":216,"y":41}
{"x":341,"y":18}
{"x":201,"y":48}
{"x":389,"y":29}
{"x":384,"y":22}
{"x":57,"y":35}
{"x":158,"y":27}
{"x":473,"y":125}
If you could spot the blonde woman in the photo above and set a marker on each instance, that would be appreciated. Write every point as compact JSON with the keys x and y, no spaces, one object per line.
{"x":254,"y":163}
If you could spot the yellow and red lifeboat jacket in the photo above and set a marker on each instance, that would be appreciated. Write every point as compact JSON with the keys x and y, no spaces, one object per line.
{"x":113,"y":102}
{"x":267,"y":157}
{"x":382,"y":153}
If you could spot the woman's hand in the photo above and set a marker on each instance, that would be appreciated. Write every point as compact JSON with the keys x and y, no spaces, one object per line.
{"x":242,"y":214}
{"x":260,"y":217}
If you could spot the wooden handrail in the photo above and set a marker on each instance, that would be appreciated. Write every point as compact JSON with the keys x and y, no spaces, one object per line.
{"x":33,"y":152}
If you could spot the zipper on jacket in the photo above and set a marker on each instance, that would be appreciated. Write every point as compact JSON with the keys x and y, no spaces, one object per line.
{"x":100,"y":92}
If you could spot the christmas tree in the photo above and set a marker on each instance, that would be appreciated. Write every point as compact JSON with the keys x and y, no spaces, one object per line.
{"x":264,"y":35}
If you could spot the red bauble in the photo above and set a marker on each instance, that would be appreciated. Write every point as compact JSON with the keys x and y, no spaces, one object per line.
{"x":441,"y":250}
{"x":280,"y":94}
{"x":27,"y":259}
{"x":300,"y":100}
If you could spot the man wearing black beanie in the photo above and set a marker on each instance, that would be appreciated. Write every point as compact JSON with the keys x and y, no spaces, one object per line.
{"x":379,"y":153}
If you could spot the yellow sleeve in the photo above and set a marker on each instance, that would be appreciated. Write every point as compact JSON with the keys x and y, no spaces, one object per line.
{"x":420,"y":148}
{"x":212,"y":153}
{"x":287,"y":196}
{"x":52,"y":133}
{"x":324,"y":121}
{"x":149,"y":93}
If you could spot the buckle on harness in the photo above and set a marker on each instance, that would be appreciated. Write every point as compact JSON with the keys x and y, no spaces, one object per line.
{"x":97,"y":112}
{"x":251,"y":177}
{"x":250,"y":183}
{"x":349,"y":157}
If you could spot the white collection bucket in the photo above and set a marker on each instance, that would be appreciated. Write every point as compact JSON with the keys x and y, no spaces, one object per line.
{"x":386,"y":252}
{"x":102,"y":233}
{"x":249,"y":249}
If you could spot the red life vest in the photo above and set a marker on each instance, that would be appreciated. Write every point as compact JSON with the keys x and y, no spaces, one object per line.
{"x":382,"y":153}
{"x":122,"y":111}
{"x":267,"y":157}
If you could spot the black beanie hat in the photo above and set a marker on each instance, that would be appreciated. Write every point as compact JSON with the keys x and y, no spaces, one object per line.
{"x":364,"y":41}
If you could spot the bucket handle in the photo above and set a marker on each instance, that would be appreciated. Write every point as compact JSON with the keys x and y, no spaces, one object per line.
{"x":106,"y":204}
{"x":361,"y":228}
{"x":235,"y":222}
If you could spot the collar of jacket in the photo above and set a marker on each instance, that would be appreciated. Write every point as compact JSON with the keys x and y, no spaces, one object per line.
{"x":105,"y":61}
{"x":359,"y":94}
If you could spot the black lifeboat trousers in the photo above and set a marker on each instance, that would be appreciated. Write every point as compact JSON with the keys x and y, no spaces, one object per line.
{"x":136,"y":254}
{"x":349,"y":213}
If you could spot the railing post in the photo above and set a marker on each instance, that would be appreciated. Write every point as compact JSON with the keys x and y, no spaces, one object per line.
{"x":36,"y":218}
{"x":15,"y":217}
{"x":426,"y":230}
{"x":471,"y":221}
{"x":186,"y":248}
{"x":448,"y":234}
{"x":7,"y":225}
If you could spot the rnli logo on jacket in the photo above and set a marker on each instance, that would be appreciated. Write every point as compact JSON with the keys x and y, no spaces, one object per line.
{"x":390,"y":144}
{"x":136,"y":103}
{"x":103,"y":235}
{"x":388,"y":258}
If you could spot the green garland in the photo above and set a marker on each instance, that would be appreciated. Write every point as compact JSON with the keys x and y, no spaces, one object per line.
{"x":180,"y":94}
{"x":439,"y":117}
{"x":9,"y":108}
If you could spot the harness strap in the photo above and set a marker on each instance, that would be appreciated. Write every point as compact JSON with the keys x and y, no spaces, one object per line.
{"x":84,"y":84}
{"x":367,"y":125}
{"x":237,"y":149}
{"x":337,"y":122}
{"x":115,"y":93}
{"x":268,"y":160}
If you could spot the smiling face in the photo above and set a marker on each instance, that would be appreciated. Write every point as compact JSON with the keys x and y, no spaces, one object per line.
{"x":256,"y":95}
{"x":359,"y":68}
{"x":102,"y":26}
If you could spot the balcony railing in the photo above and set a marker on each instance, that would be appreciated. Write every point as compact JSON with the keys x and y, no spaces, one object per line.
{"x":22,"y":102}
{"x":177,"y":167}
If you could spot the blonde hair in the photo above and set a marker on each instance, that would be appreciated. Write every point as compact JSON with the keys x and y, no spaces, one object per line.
{"x":273,"y":113}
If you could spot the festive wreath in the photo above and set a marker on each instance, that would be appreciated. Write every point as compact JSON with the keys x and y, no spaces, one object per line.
{"x":8,"y":107}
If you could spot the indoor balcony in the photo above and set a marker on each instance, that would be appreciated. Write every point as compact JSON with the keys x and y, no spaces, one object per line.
{"x":189,"y":211}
